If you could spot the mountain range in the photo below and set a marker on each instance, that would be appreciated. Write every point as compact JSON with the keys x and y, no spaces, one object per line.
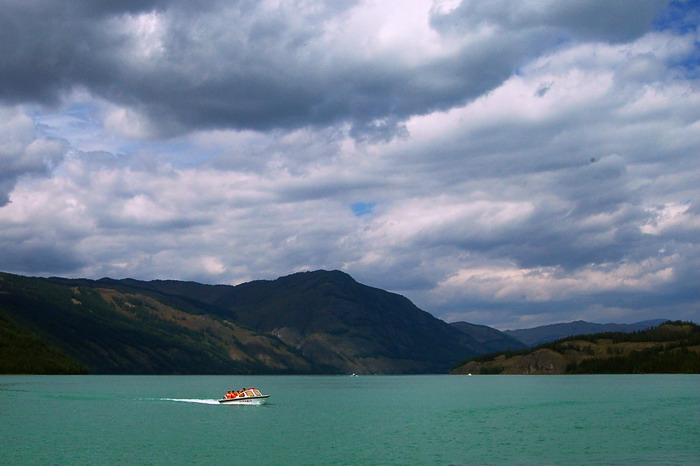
{"x":546,"y":333}
{"x":320,"y":322}
{"x":309,"y":323}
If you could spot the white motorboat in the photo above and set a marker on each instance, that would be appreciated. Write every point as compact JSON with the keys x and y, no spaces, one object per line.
{"x":246,"y":396}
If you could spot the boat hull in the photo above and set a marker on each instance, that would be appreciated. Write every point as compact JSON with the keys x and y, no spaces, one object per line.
{"x":246,"y":400}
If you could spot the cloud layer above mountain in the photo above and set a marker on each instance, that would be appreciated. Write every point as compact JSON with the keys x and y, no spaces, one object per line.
{"x":511,"y":165}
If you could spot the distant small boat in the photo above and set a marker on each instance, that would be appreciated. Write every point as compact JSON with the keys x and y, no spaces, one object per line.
{"x":246,"y":396}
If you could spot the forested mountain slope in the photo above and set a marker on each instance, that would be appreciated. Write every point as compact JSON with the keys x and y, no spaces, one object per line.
{"x":311,"y":322}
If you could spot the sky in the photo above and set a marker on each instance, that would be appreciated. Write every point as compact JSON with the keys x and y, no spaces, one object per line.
{"x":511,"y":164}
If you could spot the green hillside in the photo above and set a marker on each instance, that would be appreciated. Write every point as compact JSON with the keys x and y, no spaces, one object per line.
{"x":24,"y":353}
{"x":306,"y":323}
{"x":673,"y":347}
{"x":112,"y":331}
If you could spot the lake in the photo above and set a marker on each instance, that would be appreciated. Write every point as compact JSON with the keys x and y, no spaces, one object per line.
{"x":438,"y":419}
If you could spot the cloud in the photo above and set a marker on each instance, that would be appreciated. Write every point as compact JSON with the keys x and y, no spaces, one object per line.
{"x":23,"y":152}
{"x":265,"y":65}
{"x":507,"y":166}
{"x":547,"y":283}
{"x":582,"y":20}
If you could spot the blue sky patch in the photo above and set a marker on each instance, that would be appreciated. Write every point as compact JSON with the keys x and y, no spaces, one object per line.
{"x":681,"y":16}
{"x":361,"y":209}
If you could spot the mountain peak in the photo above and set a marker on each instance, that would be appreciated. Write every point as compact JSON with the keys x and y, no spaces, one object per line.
{"x":336,"y":275}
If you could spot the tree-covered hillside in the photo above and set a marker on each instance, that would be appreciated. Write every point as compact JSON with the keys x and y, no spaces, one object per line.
{"x":673,"y":347}
{"x":22,"y":352}
{"x":311,"y":322}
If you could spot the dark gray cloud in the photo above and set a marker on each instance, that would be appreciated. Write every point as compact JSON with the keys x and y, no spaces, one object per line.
{"x":243,"y":65}
{"x":40,"y":258}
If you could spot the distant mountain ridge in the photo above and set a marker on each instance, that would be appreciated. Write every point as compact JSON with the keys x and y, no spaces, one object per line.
{"x":546,"y":333}
{"x":490,"y":337}
{"x":309,"y":322}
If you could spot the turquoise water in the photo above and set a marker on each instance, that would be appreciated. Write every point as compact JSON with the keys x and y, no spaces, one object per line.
{"x":643,"y":419}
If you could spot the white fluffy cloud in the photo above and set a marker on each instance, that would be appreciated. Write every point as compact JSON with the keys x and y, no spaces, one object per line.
{"x":23,"y":152}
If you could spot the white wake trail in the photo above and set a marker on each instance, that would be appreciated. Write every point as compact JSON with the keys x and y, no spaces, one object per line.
{"x":192,"y":400}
